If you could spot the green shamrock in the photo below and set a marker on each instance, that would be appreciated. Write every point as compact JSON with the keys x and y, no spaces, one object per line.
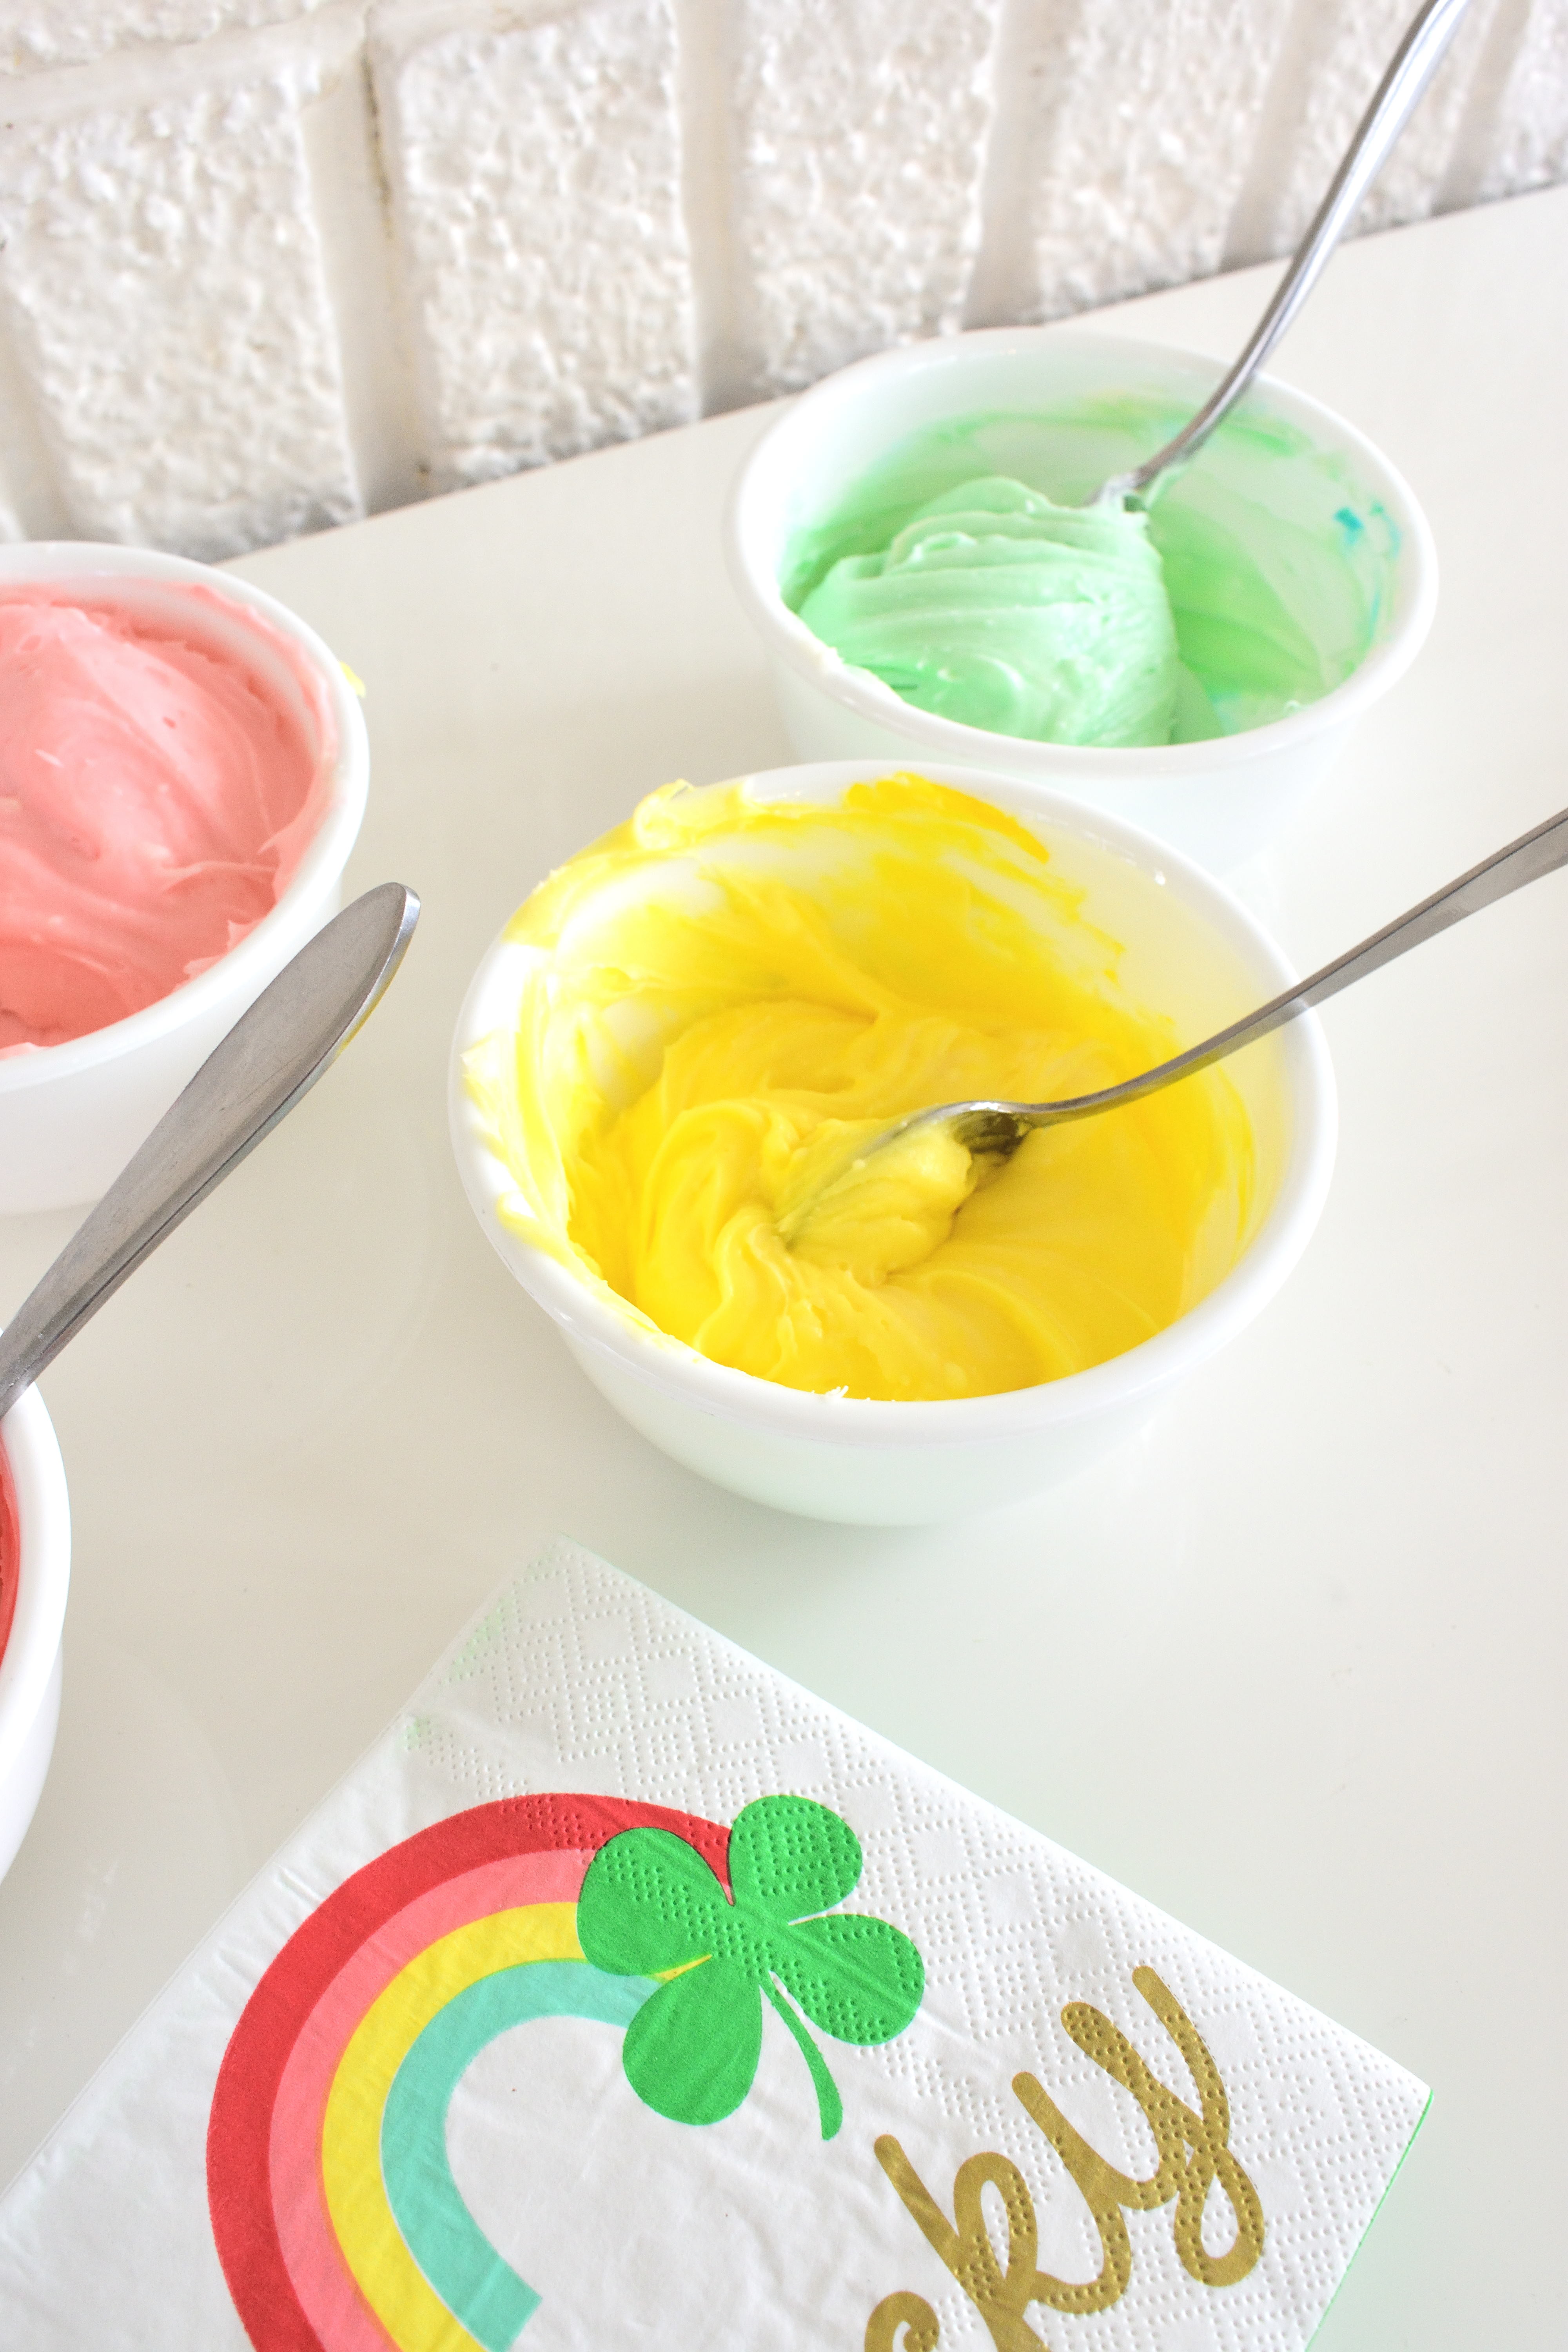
{"x":651,"y":1907}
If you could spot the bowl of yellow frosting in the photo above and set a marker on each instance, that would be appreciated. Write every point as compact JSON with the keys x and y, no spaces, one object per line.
{"x":742,"y":982}
{"x":911,"y":542}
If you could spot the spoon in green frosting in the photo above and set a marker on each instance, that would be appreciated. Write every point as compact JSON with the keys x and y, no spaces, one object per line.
{"x":1414,"y":62}
{"x":995,"y":607}
{"x":992,"y":1131}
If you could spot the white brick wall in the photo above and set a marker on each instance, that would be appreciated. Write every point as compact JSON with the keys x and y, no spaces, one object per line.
{"x":35,"y":33}
{"x":167,"y":303}
{"x":1329,"y":66}
{"x":270,"y":263}
{"x":535,"y":174}
{"x":1519,"y":139}
{"x":859,"y":146}
{"x":1133,"y":159}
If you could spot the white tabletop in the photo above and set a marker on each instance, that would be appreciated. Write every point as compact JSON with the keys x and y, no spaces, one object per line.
{"x":1290,"y":1666}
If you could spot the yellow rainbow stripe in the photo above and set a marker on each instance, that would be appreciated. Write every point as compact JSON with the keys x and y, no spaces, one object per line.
{"x":391,"y":2281}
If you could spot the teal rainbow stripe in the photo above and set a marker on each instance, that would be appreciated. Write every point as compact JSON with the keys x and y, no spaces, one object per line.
{"x":479,"y":2288}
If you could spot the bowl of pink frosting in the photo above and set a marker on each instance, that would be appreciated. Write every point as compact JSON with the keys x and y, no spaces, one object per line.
{"x":35,"y":1569}
{"x":183,"y":774}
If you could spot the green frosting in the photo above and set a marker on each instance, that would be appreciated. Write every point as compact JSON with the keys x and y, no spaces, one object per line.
{"x":962,"y":570}
{"x":996,"y":607}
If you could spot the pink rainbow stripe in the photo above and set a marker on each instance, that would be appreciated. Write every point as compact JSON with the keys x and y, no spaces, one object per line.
{"x":331,"y":2301}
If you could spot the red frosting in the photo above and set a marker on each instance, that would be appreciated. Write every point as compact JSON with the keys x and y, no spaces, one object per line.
{"x":10,"y":1550}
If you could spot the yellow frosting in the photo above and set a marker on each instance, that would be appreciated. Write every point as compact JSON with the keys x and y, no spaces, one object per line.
{"x":716,"y":1000}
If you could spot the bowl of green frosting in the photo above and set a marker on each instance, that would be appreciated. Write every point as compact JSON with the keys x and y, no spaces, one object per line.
{"x":910,"y":540}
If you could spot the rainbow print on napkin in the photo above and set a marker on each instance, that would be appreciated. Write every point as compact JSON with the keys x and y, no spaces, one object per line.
{"x":626,"y":1993}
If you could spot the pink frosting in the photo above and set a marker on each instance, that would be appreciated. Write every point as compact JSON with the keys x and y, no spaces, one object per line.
{"x":157,"y":793}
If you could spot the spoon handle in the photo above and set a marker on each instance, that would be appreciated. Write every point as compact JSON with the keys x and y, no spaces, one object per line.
{"x":253,"y":1077}
{"x":1415,"y":63}
{"x":1525,"y":860}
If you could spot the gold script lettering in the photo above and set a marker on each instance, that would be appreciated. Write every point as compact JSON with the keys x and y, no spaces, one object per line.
{"x":1186,"y":2178}
{"x":1194,"y":2153}
{"x":964,"y":2243}
{"x":909,"y":2311}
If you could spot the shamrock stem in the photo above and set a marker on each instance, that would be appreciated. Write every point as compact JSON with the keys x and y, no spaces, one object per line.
{"x":829,"y":2105}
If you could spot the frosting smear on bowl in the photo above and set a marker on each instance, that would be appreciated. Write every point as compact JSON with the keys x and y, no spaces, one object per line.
{"x":157,"y":793}
{"x":719,"y":996}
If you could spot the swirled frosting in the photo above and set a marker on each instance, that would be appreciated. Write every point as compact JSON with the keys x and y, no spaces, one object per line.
{"x":1255,"y":582}
{"x":996,"y":607}
{"x":728,"y":990}
{"x":155,"y":797}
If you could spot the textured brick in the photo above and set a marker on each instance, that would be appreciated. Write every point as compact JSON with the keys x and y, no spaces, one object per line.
{"x":38,"y":34}
{"x":163,"y":278}
{"x":535,"y":170}
{"x":1328,"y":72}
{"x":1526,"y":133}
{"x":859,"y":138}
{"x":1142,"y":143}
{"x":210,"y":339}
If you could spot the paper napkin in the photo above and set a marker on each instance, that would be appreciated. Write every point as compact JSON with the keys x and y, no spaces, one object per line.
{"x":626,"y":1994}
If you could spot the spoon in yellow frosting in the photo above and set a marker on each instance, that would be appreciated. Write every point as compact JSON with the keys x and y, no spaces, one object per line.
{"x":1414,"y":62}
{"x":954,"y":1143}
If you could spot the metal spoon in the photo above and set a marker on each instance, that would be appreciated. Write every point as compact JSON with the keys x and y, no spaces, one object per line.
{"x":1414,"y":62}
{"x":274,"y":1054}
{"x":995,"y":1129}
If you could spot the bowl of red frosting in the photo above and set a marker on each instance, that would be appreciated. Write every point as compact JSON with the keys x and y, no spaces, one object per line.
{"x":183,"y":774}
{"x":34,"y":1569}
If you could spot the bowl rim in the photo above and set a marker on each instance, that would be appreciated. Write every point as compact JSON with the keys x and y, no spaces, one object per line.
{"x":248,"y":963}
{"x":43,"y":1569}
{"x":718,"y":1392}
{"x":789,"y":640}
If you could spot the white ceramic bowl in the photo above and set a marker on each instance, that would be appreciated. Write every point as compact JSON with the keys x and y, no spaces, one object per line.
{"x":1217,"y":800}
{"x":71,"y":1114}
{"x":30,"y":1668}
{"x":1192,"y":951}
